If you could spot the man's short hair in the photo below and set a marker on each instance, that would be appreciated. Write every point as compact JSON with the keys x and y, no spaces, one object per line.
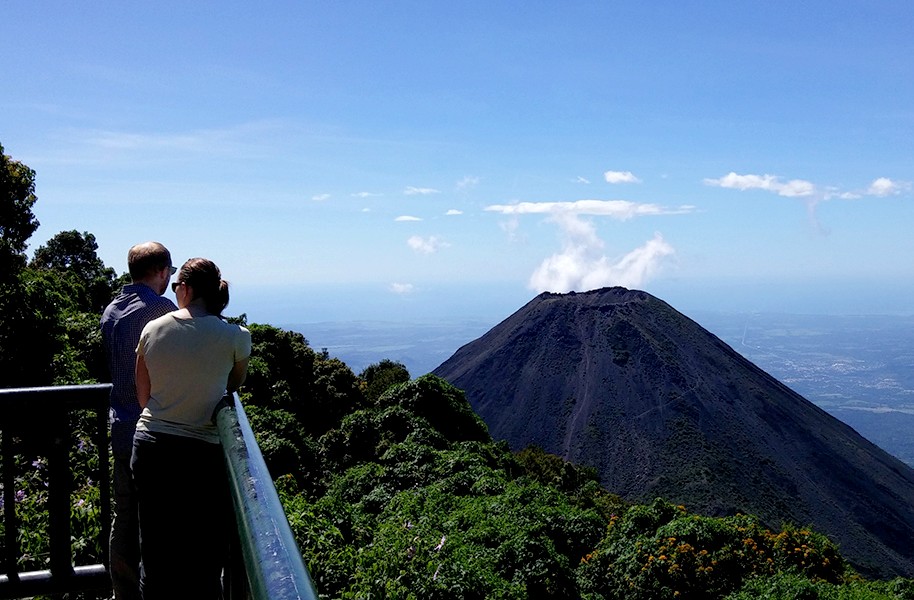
{"x":147,"y":259}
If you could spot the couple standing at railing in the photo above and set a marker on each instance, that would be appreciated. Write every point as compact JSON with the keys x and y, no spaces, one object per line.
{"x":170,"y":366}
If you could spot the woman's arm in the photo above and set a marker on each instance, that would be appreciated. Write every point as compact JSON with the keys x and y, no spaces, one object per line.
{"x":143,"y":385}
{"x":236,"y":376}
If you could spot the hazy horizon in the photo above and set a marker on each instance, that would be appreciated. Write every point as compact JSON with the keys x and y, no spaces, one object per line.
{"x":494,"y":302}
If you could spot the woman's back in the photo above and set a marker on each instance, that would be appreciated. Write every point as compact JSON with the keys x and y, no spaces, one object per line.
{"x":189,"y":360}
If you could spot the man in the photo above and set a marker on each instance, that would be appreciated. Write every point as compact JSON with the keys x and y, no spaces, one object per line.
{"x":121,"y":323}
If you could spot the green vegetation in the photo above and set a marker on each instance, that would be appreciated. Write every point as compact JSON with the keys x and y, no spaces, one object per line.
{"x":393,"y":486}
{"x":49,"y":308}
{"x":410,"y":498}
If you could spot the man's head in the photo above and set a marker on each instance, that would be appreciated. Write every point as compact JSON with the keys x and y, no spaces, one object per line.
{"x":150,"y":263}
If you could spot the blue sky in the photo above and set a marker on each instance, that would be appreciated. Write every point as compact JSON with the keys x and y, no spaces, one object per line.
{"x":428,"y":160}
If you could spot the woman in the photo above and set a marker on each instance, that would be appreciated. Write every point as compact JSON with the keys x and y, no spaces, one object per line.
{"x":186,"y":361}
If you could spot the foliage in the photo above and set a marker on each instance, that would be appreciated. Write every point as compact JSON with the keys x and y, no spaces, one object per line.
{"x":286,"y":448}
{"x":83,"y":358}
{"x":48,"y":310}
{"x":31,"y":481}
{"x":32,"y":330}
{"x":285,"y":373}
{"x":379,"y":377}
{"x":414,"y":500}
{"x":441,"y":404}
{"x":335,"y":393}
{"x":45,"y":338}
{"x":17,"y":222}
{"x":520,"y":541}
{"x":581,"y":483}
{"x":49,"y":335}
{"x":661,"y":551}
{"x":72,"y":255}
{"x":789,"y":585}
{"x":280,"y":371}
{"x":419,"y":512}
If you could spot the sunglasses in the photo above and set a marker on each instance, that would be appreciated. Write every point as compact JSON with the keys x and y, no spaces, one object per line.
{"x":172,"y":270}
{"x":175,"y":284}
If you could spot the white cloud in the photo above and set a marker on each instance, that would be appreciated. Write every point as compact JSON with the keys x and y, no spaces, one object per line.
{"x":427,"y":245}
{"x":617,"y":209}
{"x":620,"y":177}
{"x":413,"y":191}
{"x":582,"y":265}
{"x":201,"y":140}
{"x":406,"y":218}
{"x":833,"y":192}
{"x":797,"y":188}
{"x":402,"y":288}
{"x":580,"y":179}
{"x":511,"y":227}
{"x":467,"y":182}
{"x":453,"y":211}
{"x":366,"y":195}
{"x":771,"y":183}
{"x":808,"y":192}
{"x":883,"y":186}
{"x":880,"y":187}
{"x":117,"y":148}
{"x":320,"y":197}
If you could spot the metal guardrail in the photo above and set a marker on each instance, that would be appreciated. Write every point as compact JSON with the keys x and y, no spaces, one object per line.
{"x":273,"y":563}
{"x":36,"y":421}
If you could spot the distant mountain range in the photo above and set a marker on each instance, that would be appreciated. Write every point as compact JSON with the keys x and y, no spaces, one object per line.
{"x":619,"y":380}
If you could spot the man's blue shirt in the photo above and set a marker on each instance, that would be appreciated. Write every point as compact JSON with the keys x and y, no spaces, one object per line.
{"x":121,"y":323}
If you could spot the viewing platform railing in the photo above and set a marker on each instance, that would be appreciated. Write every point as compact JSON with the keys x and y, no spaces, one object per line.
{"x":36,"y":422}
{"x":273,"y":563}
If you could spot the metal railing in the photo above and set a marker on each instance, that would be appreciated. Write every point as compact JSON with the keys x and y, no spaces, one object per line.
{"x":265,"y":564}
{"x":35,"y":422}
{"x":272,"y":561}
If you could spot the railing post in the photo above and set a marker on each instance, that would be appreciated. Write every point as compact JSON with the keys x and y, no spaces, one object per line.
{"x":9,"y":506}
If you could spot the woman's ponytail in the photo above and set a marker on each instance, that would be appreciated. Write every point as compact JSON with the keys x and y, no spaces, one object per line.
{"x":218,"y":300}
{"x":204,"y":278}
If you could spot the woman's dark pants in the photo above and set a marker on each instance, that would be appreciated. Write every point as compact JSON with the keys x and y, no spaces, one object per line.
{"x":185,"y":516}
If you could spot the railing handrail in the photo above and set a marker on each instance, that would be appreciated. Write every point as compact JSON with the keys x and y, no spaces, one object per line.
{"x":273,"y":562}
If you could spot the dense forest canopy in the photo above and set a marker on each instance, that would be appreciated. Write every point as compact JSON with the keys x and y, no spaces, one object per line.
{"x":393,"y":486}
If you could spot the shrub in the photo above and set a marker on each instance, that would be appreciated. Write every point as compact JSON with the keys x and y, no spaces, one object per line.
{"x":661,"y":551}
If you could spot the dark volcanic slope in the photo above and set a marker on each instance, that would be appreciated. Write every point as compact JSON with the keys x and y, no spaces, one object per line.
{"x":619,"y":380}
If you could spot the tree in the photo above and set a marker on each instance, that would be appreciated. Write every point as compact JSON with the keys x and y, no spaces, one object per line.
{"x":29,"y":318}
{"x":17,"y":222}
{"x":380,"y":376}
{"x":32,"y":328}
{"x":49,"y":312}
{"x":73,"y":252}
{"x":73,"y":255}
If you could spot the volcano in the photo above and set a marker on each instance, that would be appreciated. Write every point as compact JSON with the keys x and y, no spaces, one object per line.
{"x":619,"y":380}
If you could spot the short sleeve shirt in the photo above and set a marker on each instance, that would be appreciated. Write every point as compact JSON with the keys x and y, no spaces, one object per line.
{"x":189,"y":361}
